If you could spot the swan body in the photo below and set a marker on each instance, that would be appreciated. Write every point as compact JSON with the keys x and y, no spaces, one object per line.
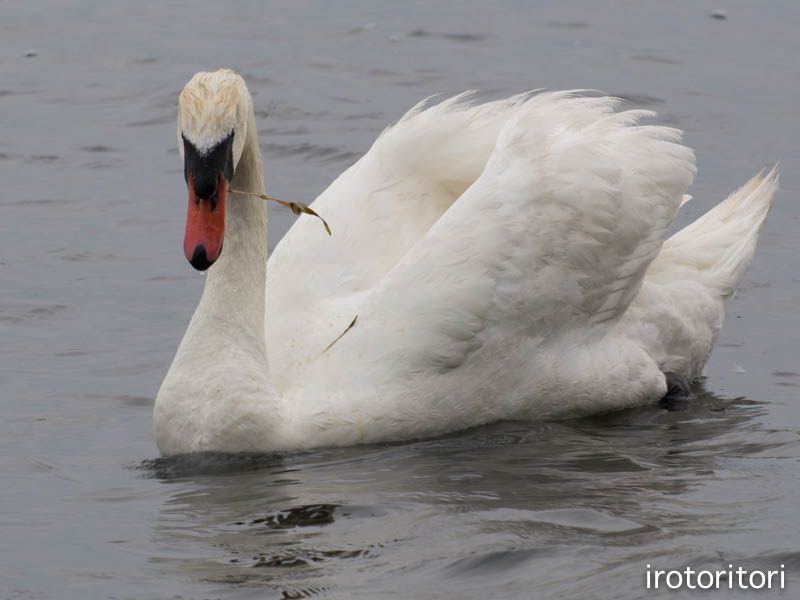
{"x":505,"y":260}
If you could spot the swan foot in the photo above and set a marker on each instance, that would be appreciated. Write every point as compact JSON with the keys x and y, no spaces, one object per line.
{"x":679,"y":392}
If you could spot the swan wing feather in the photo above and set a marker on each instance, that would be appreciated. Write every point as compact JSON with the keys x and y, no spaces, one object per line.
{"x":378,"y":209}
{"x":571,"y":208}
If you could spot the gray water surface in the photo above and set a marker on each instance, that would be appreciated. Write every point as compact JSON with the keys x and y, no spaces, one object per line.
{"x":95,"y":294}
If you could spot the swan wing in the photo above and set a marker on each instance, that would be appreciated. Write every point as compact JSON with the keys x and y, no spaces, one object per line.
{"x":378,"y":209}
{"x":571,"y":208}
{"x":532,"y":265}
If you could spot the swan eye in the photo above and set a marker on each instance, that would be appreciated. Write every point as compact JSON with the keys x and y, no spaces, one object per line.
{"x":205,"y":167}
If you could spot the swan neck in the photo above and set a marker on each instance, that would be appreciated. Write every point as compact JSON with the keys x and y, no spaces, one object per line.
{"x":234,"y":291}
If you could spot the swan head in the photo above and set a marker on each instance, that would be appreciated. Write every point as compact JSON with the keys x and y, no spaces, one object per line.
{"x":213,"y":111}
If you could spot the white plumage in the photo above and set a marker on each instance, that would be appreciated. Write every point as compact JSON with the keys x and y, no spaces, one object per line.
{"x":505,"y":260}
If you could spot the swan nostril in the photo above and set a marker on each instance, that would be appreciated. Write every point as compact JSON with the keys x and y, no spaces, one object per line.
{"x":199,"y":258}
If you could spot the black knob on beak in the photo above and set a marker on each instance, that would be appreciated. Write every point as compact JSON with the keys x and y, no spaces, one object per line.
{"x":205,"y":184}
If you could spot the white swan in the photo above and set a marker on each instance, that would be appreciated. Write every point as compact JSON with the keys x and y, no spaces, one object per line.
{"x":505,"y":260}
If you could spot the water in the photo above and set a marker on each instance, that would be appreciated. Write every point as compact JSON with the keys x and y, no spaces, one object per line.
{"x":95,"y":294}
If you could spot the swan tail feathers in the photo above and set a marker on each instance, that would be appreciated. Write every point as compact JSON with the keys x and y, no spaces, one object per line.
{"x":720,"y":245}
{"x":680,"y":308}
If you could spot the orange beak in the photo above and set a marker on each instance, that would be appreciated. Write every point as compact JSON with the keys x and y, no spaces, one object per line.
{"x":205,"y":225}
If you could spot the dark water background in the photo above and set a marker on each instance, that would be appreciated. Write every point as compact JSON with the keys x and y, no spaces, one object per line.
{"x":95,"y":294}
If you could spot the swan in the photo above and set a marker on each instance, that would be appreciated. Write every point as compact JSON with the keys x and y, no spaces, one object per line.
{"x":504,"y":260}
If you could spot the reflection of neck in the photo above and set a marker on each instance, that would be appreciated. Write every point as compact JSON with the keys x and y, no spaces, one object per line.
{"x":234,"y":293}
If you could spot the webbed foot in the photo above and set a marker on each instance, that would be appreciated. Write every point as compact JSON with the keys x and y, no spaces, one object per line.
{"x":679,"y":392}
